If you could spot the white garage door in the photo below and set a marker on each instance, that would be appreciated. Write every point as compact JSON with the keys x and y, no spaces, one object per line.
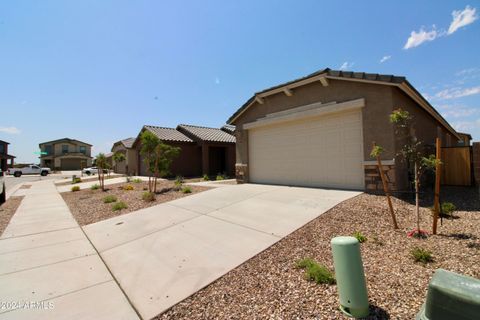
{"x":323,"y":151}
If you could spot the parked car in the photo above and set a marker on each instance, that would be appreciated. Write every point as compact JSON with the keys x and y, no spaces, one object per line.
{"x":3,"y":189}
{"x":31,"y":169}
{"x":92,"y":170}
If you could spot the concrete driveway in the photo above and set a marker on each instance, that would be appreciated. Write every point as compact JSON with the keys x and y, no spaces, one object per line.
{"x":163,"y":254}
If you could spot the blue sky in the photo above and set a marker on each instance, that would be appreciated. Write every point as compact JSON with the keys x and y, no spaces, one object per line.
{"x":98,"y":70}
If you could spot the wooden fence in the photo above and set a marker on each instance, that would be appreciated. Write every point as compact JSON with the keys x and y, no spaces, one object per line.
{"x":456,"y":167}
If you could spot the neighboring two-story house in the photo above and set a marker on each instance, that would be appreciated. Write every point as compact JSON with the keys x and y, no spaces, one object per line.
{"x":65,"y":154}
{"x":4,"y":156}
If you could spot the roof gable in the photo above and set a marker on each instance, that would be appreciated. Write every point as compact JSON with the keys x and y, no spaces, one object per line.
{"x":168,"y":134}
{"x":324,"y":74}
{"x":74,"y":141}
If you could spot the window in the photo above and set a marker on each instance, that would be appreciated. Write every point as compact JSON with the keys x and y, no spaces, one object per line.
{"x":48,"y":149}
{"x":65,"y":148}
{"x":83,"y":149}
{"x":2,"y":148}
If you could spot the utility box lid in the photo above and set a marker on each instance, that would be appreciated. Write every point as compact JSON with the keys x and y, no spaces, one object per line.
{"x":452,"y":296}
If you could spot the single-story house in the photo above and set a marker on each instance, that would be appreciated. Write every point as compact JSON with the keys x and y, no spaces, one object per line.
{"x":65,"y":154}
{"x":129,"y":166}
{"x":203,"y":150}
{"x":5,"y":157}
{"x":318,"y":131}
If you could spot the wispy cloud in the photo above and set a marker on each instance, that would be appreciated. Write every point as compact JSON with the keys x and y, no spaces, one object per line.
{"x":466,"y":125}
{"x":457,"y":111}
{"x":454,"y":93}
{"x":417,"y":38}
{"x":462,"y":18}
{"x":346,"y":65}
{"x":217,"y":80}
{"x":10,"y":130}
{"x":385,"y":58}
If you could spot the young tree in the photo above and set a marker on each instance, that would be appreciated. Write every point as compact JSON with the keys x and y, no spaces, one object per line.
{"x":118,"y":157}
{"x":412,"y":154}
{"x":163,"y":157}
{"x":158,"y":158}
{"x":149,"y":142}
{"x":102,"y":164}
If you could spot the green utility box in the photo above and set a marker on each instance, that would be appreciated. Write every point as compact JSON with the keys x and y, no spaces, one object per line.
{"x":350,"y":276}
{"x":451,"y":296}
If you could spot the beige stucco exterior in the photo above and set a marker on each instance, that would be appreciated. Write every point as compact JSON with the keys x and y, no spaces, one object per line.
{"x":129,"y":166}
{"x":66,"y":154}
{"x":380,"y":101}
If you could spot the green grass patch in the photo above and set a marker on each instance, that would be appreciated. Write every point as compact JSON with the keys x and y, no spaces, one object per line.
{"x":109,"y":199}
{"x":119,"y":206}
{"x":421,"y":255}
{"x":359,"y":236}
{"x":187,"y":189}
{"x":137,"y":180}
{"x":315,"y":272}
{"x":148,"y":196}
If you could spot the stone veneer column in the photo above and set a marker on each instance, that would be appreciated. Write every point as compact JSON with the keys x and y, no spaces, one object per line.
{"x":373,"y":181}
{"x":241,"y":172}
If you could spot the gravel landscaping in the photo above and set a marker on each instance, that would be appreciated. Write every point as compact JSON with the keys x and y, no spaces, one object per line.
{"x":7,"y":210}
{"x":87,"y":206}
{"x":68,"y":181}
{"x":270,"y":286}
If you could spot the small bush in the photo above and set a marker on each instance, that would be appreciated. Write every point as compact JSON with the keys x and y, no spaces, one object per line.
{"x":148,"y":196}
{"x":76,"y":180}
{"x":360,"y":237}
{"x":316,"y":272}
{"x":119,"y":206}
{"x":221,"y":177}
{"x":128,"y":187}
{"x":137,"y":180}
{"x":109,"y":199}
{"x":421,"y":255}
{"x":447,"y":209}
{"x":75,"y":188}
{"x":205,"y":177}
{"x":179,"y":180}
{"x":186,"y":189}
{"x":95,"y":187}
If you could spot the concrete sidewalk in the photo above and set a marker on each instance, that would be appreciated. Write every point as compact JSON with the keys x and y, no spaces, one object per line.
{"x":48,"y":267}
{"x":162,"y":254}
{"x":87,"y":185}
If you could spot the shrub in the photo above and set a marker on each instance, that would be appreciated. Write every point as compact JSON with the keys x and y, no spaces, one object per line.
{"x":360,"y":237}
{"x":128,"y":187}
{"x":447,"y":209}
{"x":205,"y":177}
{"x":421,"y":255}
{"x":95,"y":187}
{"x":119,"y":206}
{"x":179,"y":180}
{"x":186,"y":189}
{"x":221,"y":177}
{"x":137,"y":180}
{"x":109,"y":199}
{"x":75,"y":188}
{"x":148,"y":196}
{"x":76,"y":180}
{"x":316,"y":272}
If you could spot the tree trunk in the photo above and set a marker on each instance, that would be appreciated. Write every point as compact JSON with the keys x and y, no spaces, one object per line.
{"x":417,"y":211}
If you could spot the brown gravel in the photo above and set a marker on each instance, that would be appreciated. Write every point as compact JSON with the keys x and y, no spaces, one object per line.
{"x":68,"y":181}
{"x":268,"y":285}
{"x":7,"y":210}
{"x":87,"y":205}
{"x":26,"y":186}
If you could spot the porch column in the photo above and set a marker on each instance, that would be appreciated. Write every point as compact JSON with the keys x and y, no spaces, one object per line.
{"x":205,"y":159}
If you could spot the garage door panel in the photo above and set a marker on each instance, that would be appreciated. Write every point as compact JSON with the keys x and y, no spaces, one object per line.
{"x":323,"y":152}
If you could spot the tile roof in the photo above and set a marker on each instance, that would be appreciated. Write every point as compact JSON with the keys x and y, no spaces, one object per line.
{"x":128,"y":143}
{"x":168,"y":134}
{"x":228,"y":128}
{"x":207,"y":134}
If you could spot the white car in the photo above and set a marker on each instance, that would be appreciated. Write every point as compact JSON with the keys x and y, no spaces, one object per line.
{"x":3,"y":190}
{"x":31,"y":169}
{"x":92,"y":170}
